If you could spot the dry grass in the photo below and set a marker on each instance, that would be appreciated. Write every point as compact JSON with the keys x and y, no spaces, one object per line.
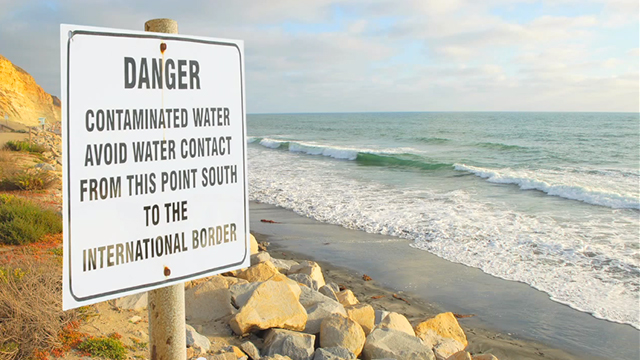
{"x":31,"y":316}
{"x":16,"y":177}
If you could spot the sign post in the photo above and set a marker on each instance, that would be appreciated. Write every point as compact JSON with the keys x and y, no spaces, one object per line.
{"x":154,"y":158}
{"x":167,"y":339}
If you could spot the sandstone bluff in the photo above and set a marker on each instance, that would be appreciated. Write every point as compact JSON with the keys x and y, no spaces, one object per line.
{"x":22,"y":99}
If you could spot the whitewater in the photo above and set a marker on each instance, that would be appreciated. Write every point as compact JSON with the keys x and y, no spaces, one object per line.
{"x":551,"y":200}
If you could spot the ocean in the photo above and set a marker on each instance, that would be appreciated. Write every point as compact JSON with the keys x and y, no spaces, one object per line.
{"x":548,"y":199}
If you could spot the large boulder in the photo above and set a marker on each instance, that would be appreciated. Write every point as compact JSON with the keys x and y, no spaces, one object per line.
{"x":253,"y":244}
{"x":380,"y":314}
{"x":447,"y":347}
{"x":208,"y":301}
{"x":333,"y":353}
{"x":310,"y":268}
{"x":442,"y":325}
{"x":196,"y":341}
{"x":363,"y":314}
{"x":328,"y":292}
{"x":289,"y":343}
{"x":259,"y":272}
{"x":318,"y":308}
{"x":310,"y":297}
{"x":240,"y":293}
{"x":338,"y":330}
{"x":396,"y":321}
{"x":304,"y":279}
{"x":395,"y":344}
{"x":271,"y":304}
{"x":261,"y":256}
{"x":320,"y":311}
{"x":346,"y":298}
{"x":283,"y":265}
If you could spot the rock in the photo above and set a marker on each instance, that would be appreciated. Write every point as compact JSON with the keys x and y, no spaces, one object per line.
{"x":484,"y":357}
{"x":310,"y":297}
{"x":320,"y":311}
{"x":253,"y":244}
{"x":318,"y":308}
{"x":338,"y":330}
{"x":442,"y":325}
{"x":222,"y":356}
{"x":394,"y":344}
{"x":333,"y":353}
{"x":250,"y":349}
{"x":305,"y":279}
{"x":363,"y":314}
{"x":293,"y":285}
{"x":235,"y":350}
{"x":135,"y":302}
{"x":261,"y":256}
{"x":396,"y":321}
{"x":460,"y":355}
{"x":289,"y":343}
{"x":346,"y":298}
{"x":275,"y":357}
{"x":208,"y":301}
{"x":271,"y":304}
{"x":196,"y":341}
{"x":259,"y":272}
{"x":328,"y":292}
{"x":310,"y":268}
{"x":135,"y":319}
{"x":283,"y":265}
{"x":446,"y":347}
{"x":335,"y":287}
{"x":240,"y":293}
{"x":45,"y":166}
{"x":380,"y":314}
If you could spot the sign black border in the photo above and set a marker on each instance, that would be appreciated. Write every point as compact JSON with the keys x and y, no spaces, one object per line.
{"x":159,"y":36}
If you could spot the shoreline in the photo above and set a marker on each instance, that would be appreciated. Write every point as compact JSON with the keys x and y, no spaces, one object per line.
{"x":511,"y":319}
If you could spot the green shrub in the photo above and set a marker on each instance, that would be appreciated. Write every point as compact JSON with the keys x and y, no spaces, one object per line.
{"x":27,"y":179}
{"x":107,"y":347}
{"x":25,"y":146}
{"x":22,"y":222}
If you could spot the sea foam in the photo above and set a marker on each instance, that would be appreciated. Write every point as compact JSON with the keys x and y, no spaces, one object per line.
{"x":599,"y":276}
{"x":605,"y":188}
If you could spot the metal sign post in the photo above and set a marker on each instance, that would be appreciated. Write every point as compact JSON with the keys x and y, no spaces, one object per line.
{"x":167,"y":332}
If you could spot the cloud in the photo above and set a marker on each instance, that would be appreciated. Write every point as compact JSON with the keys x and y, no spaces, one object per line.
{"x":378,"y":55}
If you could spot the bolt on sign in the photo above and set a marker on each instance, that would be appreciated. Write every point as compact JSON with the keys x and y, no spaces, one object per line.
{"x":154,"y":161}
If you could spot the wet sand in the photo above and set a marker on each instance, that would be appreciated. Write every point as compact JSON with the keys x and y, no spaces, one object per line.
{"x":512,"y":320}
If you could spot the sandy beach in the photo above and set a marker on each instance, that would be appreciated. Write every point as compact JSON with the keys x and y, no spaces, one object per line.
{"x":511,"y":320}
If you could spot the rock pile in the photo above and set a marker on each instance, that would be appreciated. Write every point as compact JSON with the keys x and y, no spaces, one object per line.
{"x":284,"y":310}
{"x":51,"y":141}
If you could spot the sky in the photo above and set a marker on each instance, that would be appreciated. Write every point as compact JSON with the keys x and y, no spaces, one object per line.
{"x":379,"y":55}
